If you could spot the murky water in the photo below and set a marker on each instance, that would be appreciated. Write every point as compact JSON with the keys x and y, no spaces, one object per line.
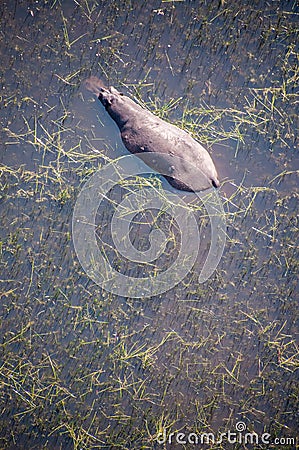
{"x":80,"y":367}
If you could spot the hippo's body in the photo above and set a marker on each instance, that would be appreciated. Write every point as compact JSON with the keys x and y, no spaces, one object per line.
{"x":142,"y":131}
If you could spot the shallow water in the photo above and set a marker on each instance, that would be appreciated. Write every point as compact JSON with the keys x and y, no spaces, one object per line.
{"x":83,"y":368}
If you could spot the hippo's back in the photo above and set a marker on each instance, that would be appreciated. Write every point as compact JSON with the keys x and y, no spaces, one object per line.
{"x":192,"y":164}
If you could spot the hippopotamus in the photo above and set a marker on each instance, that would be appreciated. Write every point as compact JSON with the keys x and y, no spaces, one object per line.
{"x":143,"y":132}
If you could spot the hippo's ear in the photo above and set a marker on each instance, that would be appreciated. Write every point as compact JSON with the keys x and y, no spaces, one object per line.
{"x":114,"y":91}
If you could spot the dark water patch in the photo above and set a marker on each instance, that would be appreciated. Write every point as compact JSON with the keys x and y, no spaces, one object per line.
{"x":80,"y":367}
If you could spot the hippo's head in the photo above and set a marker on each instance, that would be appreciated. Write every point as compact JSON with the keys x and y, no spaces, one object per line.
{"x":117,"y":105}
{"x":109,"y":97}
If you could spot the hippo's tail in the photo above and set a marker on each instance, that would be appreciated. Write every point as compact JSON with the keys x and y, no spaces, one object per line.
{"x":215,"y":183}
{"x":94,"y":85}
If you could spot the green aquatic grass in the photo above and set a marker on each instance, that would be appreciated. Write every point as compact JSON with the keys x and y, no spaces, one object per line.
{"x":83,"y":369}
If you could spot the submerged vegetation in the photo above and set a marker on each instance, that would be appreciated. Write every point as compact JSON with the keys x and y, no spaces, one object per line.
{"x":81,"y":368}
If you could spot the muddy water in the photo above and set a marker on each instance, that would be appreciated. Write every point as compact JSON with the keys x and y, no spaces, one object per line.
{"x":83,"y":368}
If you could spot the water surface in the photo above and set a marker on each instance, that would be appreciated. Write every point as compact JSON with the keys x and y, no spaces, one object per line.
{"x":80,"y":367}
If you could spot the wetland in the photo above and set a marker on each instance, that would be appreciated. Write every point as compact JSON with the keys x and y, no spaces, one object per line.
{"x":83,"y":368}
